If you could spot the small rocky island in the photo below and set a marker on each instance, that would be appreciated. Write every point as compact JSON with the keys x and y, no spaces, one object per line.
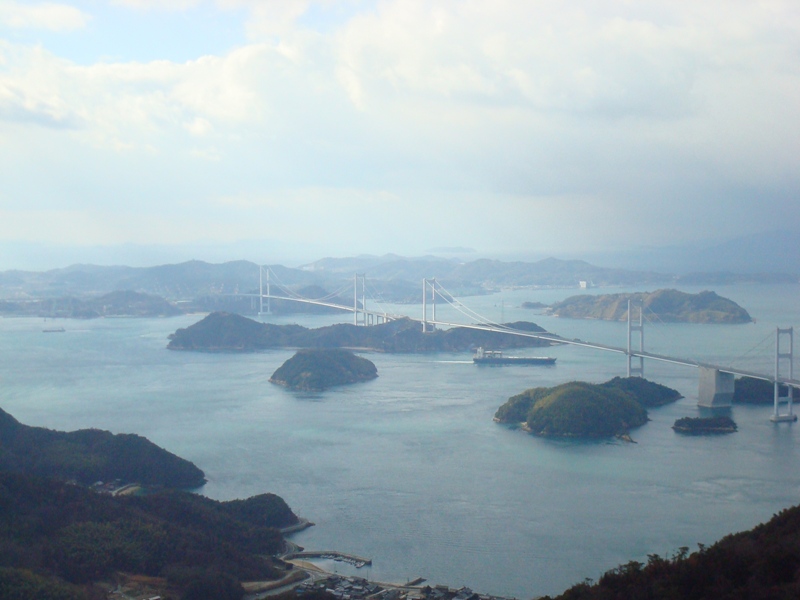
{"x":585,"y":410}
{"x":704,"y":425}
{"x":317,"y":370}
{"x":667,"y":305}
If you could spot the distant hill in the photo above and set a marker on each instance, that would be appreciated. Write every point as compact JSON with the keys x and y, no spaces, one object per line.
{"x":486,"y":273}
{"x":667,"y":305}
{"x":113,"y":304}
{"x":91,"y":455}
{"x":316,"y":370}
{"x":225,"y":332}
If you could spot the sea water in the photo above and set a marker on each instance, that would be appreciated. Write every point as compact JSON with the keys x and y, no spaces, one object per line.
{"x":409,"y":469}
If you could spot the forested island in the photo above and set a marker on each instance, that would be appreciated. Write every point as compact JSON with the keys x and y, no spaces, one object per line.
{"x":705,"y":425}
{"x":319,"y":369}
{"x":667,"y":305}
{"x":228,"y":332}
{"x":91,"y":455}
{"x":580,"y":409}
{"x":60,"y":540}
{"x":749,"y":390}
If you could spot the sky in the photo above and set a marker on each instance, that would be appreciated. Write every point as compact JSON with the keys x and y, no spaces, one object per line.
{"x":226,"y":129}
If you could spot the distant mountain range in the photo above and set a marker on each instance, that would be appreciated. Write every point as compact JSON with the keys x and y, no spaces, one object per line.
{"x":390,"y":277}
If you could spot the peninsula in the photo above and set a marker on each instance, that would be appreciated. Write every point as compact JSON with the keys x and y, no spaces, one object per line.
{"x":579,"y":409}
{"x":65,"y":540}
{"x":91,"y":455}
{"x":228,"y":332}
{"x":667,"y":305}
{"x":319,"y":369}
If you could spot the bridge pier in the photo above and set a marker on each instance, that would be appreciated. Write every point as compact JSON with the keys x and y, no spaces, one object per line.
{"x":716,"y":388}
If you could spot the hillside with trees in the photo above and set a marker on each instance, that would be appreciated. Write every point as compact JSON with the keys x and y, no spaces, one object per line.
{"x":91,"y":455}
{"x":52,"y":532}
{"x":760,"y":564}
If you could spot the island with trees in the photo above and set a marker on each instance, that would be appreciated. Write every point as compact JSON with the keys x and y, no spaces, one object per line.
{"x":580,"y":409}
{"x":705,"y":425}
{"x":749,"y":390}
{"x":319,"y":369}
{"x":229,"y":332}
{"x":668,"y":305}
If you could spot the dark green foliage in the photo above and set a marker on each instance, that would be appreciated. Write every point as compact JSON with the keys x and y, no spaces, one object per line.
{"x":584,"y":409}
{"x":761,"y":564}
{"x":320,"y":369}
{"x":701,"y":425}
{"x":749,"y":390}
{"x":51,"y":527}
{"x":90,"y":455}
{"x":214,"y":586}
{"x":516,"y":408}
{"x":21,"y":584}
{"x":224,"y":332}
{"x":647,"y":393}
{"x":666,"y":305}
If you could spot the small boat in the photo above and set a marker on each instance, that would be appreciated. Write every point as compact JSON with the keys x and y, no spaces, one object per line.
{"x":54,"y":330}
{"x":495,"y":357}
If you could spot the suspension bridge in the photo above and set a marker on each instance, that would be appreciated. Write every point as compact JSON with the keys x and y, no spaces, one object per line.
{"x":716,"y":382}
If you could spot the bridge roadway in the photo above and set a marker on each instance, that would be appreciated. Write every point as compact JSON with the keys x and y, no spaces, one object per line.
{"x":549,"y":337}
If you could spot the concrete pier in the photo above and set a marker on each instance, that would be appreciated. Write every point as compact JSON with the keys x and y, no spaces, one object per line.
{"x":716,"y":388}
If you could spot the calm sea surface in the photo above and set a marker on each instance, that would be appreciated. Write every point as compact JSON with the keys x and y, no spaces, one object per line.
{"x":409,"y":469}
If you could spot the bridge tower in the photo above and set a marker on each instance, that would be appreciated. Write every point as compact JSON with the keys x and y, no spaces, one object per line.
{"x":635,"y":370}
{"x":426,"y":283}
{"x":362,"y":310}
{"x":783,"y":357}
{"x":261,"y":292}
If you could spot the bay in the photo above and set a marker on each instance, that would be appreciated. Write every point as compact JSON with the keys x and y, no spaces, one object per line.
{"x":409,"y":469}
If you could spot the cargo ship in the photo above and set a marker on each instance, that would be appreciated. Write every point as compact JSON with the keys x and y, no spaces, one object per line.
{"x":495,"y":357}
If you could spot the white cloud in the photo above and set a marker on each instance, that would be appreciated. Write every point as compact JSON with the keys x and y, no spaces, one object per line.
{"x":46,"y":15}
{"x":578,"y":110}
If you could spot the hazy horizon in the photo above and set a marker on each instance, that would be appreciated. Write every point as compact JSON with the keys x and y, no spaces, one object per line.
{"x":343,"y":127}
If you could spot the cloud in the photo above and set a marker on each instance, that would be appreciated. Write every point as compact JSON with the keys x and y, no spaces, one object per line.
{"x":158,"y":4}
{"x":46,"y":15}
{"x":573,"y":114}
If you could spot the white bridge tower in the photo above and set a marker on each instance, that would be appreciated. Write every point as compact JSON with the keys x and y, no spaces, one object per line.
{"x":783,"y":357}
{"x":635,"y":370}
